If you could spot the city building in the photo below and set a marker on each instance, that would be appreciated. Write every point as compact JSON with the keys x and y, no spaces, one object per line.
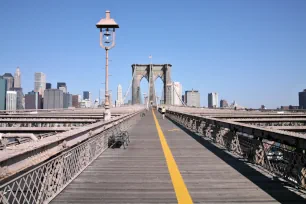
{"x":20,"y":98}
{"x":48,"y":86}
{"x":11,"y":100}
{"x":40,"y":83}
{"x":9,"y":81}
{"x":30,"y":100}
{"x":302,"y":99}
{"x":17,"y":79}
{"x":85,"y":103}
{"x":291,"y":107}
{"x":119,"y":96}
{"x":3,"y":88}
{"x":75,"y":101}
{"x":53,"y":99}
{"x":67,"y":100}
{"x":62,"y":86}
{"x":85,"y":95}
{"x":192,"y":98}
{"x":223,"y":103}
{"x":213,"y":100}
{"x":176,"y":93}
{"x":284,"y":107}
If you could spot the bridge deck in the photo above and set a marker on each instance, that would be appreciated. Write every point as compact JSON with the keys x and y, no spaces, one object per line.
{"x":140,"y":174}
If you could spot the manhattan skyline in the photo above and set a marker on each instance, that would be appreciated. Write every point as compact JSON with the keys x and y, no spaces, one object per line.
{"x":250,"y":52}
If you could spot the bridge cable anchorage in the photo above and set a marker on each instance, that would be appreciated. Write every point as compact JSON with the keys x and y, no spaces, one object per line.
{"x":181,"y":191}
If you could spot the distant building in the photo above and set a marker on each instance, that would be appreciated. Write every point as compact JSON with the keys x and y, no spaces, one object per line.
{"x":284,"y":107}
{"x":54,"y":99}
{"x":223,"y":103}
{"x":85,"y":95}
{"x":290,"y":107}
{"x":67,"y":100}
{"x":17,"y":78}
{"x":85,"y":104}
{"x":176,"y":92}
{"x":192,"y":98}
{"x":48,"y":86}
{"x":146,"y":98}
{"x":20,"y":96}
{"x":262,"y":107}
{"x":75,"y":101}
{"x":3,"y":88}
{"x":9,"y":81}
{"x":302,"y":99}
{"x":11,"y":100}
{"x":30,"y":100}
{"x":213,"y":100}
{"x":40,"y":83}
{"x":119,"y":96}
{"x":294,"y":107}
{"x":62,"y":86}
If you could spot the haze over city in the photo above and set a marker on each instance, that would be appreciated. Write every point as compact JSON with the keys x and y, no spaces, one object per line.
{"x":252,"y":52}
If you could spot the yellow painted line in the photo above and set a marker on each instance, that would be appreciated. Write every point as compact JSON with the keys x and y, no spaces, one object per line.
{"x":181,"y":191}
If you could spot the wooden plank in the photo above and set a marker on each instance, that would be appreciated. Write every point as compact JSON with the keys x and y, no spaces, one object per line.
{"x":138,"y":174}
{"x":213,"y":176}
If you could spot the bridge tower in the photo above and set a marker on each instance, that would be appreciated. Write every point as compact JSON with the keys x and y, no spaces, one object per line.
{"x":141,"y":71}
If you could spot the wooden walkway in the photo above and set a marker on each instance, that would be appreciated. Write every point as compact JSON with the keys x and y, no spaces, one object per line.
{"x":140,"y":174}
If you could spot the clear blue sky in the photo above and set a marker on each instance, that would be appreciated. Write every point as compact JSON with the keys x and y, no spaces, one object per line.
{"x":253,"y":52}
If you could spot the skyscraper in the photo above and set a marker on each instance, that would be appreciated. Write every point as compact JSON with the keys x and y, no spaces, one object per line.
{"x":48,"y":86}
{"x":119,"y":96}
{"x":3,"y":87}
{"x":40,"y":83}
{"x":67,"y":100}
{"x":17,"y":78}
{"x":9,"y":81}
{"x":11,"y":100}
{"x":223,"y":104}
{"x":20,"y":98}
{"x":213,"y":100}
{"x":302,"y":99}
{"x":176,"y":92}
{"x":75,"y":101}
{"x":54,"y":99}
{"x":62,"y":86}
{"x":30,"y":100}
{"x":192,"y":98}
{"x":85,"y":95}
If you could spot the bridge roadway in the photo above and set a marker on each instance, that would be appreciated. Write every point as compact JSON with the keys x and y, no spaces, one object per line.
{"x":139,"y":174}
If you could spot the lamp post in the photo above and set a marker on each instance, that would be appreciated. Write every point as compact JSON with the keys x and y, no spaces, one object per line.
{"x":107,"y":28}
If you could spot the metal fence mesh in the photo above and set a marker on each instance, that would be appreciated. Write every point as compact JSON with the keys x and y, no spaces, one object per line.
{"x":44,"y":182}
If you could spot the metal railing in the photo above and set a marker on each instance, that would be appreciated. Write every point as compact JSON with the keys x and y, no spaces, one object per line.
{"x":44,"y":182}
{"x":283,"y":160}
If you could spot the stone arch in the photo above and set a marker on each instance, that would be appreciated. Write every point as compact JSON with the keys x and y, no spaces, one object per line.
{"x":139,"y":71}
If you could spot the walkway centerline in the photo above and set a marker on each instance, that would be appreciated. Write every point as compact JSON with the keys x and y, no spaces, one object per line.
{"x":180,"y":188}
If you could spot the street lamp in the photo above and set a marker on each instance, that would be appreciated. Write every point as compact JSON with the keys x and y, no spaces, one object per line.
{"x":107,"y":28}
